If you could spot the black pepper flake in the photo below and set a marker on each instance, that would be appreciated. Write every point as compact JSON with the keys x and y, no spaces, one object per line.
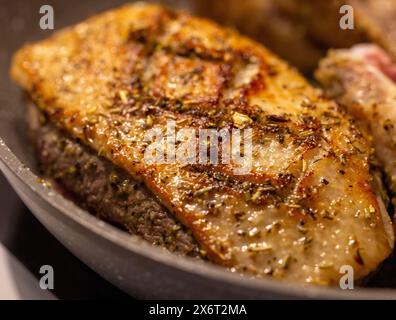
{"x":276,"y":118}
{"x":311,"y":213}
{"x":358,"y":257}
{"x":301,"y":227}
{"x":324,"y":181}
{"x":269,"y":271}
{"x":281,"y":138}
{"x":238,"y":215}
{"x":388,"y":125}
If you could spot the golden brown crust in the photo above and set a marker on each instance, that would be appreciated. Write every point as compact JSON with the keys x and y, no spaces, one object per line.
{"x":306,"y":207}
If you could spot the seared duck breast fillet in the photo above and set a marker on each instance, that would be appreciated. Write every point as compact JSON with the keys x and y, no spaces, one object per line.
{"x":298,"y":204}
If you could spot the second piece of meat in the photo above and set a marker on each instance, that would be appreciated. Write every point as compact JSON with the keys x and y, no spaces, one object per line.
{"x":363,"y":80}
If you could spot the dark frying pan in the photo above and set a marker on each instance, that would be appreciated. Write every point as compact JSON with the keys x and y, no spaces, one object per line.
{"x":126,"y":261}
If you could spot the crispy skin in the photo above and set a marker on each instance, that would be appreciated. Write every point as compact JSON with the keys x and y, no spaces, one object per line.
{"x":306,"y":207}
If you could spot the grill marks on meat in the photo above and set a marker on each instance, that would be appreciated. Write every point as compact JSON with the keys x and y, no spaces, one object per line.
{"x":306,"y":207}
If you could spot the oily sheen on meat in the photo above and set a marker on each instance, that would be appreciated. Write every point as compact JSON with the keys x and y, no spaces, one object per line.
{"x":307,"y":205}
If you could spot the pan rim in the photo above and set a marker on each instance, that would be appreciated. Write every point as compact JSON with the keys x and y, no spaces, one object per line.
{"x":188,"y":265}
